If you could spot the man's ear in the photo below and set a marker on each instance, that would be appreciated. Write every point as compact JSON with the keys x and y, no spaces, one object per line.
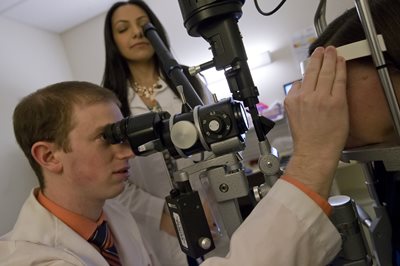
{"x":45,"y":154}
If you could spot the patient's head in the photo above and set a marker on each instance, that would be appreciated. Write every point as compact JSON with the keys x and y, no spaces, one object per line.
{"x":370,"y":119}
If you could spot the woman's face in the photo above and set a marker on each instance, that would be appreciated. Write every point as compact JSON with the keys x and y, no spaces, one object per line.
{"x":127,"y":22}
{"x":370,"y":119}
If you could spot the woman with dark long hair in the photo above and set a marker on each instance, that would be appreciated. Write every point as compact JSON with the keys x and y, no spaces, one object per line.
{"x":133,"y":72}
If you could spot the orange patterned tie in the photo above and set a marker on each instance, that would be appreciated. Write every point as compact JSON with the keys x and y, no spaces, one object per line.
{"x":103,"y":241}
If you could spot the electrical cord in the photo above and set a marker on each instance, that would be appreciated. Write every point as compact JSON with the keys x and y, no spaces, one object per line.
{"x":271,"y":12}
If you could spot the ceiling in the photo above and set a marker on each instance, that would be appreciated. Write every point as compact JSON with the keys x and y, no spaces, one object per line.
{"x":53,"y":15}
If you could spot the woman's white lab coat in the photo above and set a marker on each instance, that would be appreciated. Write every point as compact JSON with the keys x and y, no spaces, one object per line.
{"x":151,"y":184}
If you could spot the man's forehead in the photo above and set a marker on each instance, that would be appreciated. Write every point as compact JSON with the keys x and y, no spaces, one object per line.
{"x":96,"y":115}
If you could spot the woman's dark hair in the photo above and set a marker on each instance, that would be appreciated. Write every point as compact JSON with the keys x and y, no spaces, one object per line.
{"x":116,"y":72}
{"x":347,"y":28}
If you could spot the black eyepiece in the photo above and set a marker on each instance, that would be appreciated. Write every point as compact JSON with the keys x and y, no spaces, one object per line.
{"x":116,"y":133}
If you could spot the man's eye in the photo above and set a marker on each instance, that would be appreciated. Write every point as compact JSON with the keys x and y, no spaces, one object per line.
{"x":102,"y":137}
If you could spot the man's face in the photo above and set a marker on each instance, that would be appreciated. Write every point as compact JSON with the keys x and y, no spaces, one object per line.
{"x":95,"y":169}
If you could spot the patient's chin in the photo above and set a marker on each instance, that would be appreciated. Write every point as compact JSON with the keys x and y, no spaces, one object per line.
{"x":353,"y":143}
{"x":357,"y":143}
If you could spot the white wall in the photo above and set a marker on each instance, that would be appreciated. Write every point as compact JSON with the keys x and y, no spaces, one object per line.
{"x":30,"y":59}
{"x":84,"y":46}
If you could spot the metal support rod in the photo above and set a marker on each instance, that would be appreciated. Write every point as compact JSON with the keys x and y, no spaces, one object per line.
{"x":173,"y":69}
{"x":364,"y":13}
{"x":380,"y":228}
{"x":370,"y":182}
{"x":319,"y":18}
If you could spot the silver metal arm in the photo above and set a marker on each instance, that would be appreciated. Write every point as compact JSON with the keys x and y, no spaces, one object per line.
{"x":319,"y":18}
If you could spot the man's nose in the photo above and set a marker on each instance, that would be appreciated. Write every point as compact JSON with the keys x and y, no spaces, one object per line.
{"x":124,"y":150}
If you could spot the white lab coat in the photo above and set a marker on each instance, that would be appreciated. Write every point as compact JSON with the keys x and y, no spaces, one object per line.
{"x":151,"y":184}
{"x":286,"y":228}
{"x":40,"y":238}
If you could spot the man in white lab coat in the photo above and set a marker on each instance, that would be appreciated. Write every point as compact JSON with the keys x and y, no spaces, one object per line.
{"x":60,"y":129}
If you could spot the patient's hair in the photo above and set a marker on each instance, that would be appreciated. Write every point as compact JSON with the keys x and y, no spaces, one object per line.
{"x":47,"y":115}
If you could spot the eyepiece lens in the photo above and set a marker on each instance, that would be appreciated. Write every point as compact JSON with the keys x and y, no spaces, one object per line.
{"x":115,"y":133}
